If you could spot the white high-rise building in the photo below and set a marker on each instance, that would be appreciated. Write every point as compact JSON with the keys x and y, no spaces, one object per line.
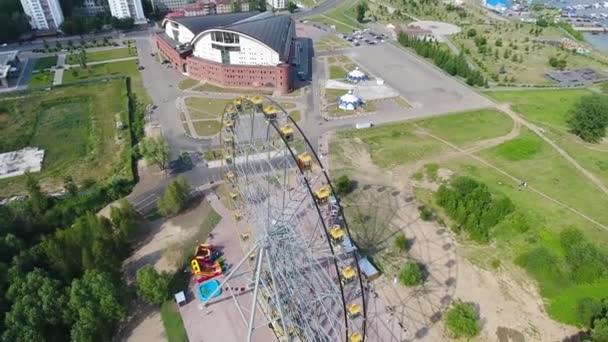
{"x":277,"y":4}
{"x":44,"y":14}
{"x":127,"y":9}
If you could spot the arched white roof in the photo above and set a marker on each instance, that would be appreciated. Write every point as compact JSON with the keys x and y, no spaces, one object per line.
{"x":349,"y":98}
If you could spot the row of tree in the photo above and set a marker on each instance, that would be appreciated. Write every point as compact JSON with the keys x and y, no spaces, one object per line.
{"x":474,"y":209}
{"x":13,"y":22}
{"x":79,"y":24}
{"x":454,"y":65}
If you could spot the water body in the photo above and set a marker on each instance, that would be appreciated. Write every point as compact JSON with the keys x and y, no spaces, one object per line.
{"x":599,"y":41}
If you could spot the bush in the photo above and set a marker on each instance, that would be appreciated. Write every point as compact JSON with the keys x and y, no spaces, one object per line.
{"x":401,"y":242}
{"x":176,"y":197}
{"x":411,"y":274}
{"x":586,"y":262}
{"x":588,"y":309}
{"x":343,"y":185}
{"x":590,"y":118}
{"x":152,"y":286}
{"x":461,"y":320}
{"x":426,"y":214}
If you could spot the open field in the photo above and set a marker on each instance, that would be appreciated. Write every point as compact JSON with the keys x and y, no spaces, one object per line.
{"x":204,"y":108}
{"x":339,"y":66}
{"x":75,"y":125}
{"x":397,"y":150}
{"x":342,"y":17}
{"x":187,"y":83}
{"x":207,"y":128}
{"x":41,"y":79}
{"x":207,"y":87}
{"x":329,"y":43}
{"x":103,"y":55}
{"x":45,"y":63}
{"x":550,"y":110}
{"x":124,"y":68}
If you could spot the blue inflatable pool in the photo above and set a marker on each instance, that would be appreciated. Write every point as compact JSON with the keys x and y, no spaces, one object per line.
{"x":206,"y":289}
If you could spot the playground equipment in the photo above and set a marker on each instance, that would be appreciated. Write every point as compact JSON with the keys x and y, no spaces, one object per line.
{"x":292,"y":229}
{"x":205,"y":263}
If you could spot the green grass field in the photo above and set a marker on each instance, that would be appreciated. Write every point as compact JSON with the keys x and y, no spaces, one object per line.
{"x":172,"y":320}
{"x":187,"y":83}
{"x":550,"y":110}
{"x":342,"y":17}
{"x":329,"y":43}
{"x":104,"y":55}
{"x":207,"y":128}
{"x":75,"y":125}
{"x":203,"y":108}
{"x":45,"y":63}
{"x":124,"y":68}
{"x":41,"y":79}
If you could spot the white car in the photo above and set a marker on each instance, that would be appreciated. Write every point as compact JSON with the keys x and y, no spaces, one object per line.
{"x":4,"y":45}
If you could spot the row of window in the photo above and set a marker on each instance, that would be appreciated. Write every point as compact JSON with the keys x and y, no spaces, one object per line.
{"x":225,"y":37}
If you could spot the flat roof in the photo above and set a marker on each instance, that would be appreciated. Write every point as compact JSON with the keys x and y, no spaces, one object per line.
{"x":7,"y":56}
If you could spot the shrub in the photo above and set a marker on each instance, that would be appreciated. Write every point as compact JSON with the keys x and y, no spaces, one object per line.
{"x":590,"y":118}
{"x":426,"y":214}
{"x":343,"y":185}
{"x":401,"y":242}
{"x":411,"y":274}
{"x":461,"y":320}
{"x":588,"y":309}
{"x":152,"y":286}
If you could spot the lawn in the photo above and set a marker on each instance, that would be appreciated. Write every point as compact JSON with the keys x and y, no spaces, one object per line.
{"x":207,"y":128}
{"x":41,"y":79}
{"x":215,"y":89}
{"x":550,"y":110}
{"x":75,"y":125}
{"x":172,"y":320}
{"x":103,"y":55}
{"x":125,"y":68}
{"x":187,"y":83}
{"x":403,"y":143}
{"x":203,"y":108}
{"x":337,"y":72}
{"x":531,"y":159}
{"x":45,"y":63}
{"x":329,"y":43}
{"x":462,"y":129}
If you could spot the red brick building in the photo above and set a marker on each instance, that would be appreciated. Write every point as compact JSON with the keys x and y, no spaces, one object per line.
{"x":240,"y":50}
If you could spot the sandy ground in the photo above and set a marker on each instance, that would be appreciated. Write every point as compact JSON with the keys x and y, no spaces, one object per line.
{"x":145,"y":322}
{"x":510,"y":310}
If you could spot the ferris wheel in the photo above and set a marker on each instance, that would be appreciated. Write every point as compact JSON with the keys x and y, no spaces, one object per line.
{"x":303,"y":265}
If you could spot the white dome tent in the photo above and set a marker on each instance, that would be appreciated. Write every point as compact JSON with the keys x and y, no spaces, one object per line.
{"x":356,"y":76}
{"x":349,"y":101}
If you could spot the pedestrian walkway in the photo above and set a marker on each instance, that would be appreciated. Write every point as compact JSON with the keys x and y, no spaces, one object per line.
{"x":105,"y":62}
{"x":58,"y":78}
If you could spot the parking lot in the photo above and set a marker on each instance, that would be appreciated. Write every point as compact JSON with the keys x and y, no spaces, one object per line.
{"x":365,"y":37}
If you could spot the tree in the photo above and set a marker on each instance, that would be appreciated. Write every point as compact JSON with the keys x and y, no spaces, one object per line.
{"x":401,"y":242}
{"x":37,"y":199}
{"x":155,"y":151}
{"x":411,"y":274}
{"x":471,"y":33}
{"x":126,"y":23}
{"x":125,"y":220}
{"x":38,"y":309}
{"x":175,"y":198}
{"x":361,"y":9}
{"x":97,"y":305}
{"x":291,"y":6}
{"x":589,"y":118}
{"x":600,"y":330}
{"x":461,"y":320}
{"x":343,"y":185}
{"x":152,"y":286}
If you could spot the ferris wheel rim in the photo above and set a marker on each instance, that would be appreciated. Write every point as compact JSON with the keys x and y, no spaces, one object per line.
{"x":310,"y":194}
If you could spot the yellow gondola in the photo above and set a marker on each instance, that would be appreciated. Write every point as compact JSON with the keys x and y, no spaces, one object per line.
{"x":305,"y":161}
{"x":287,"y":132}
